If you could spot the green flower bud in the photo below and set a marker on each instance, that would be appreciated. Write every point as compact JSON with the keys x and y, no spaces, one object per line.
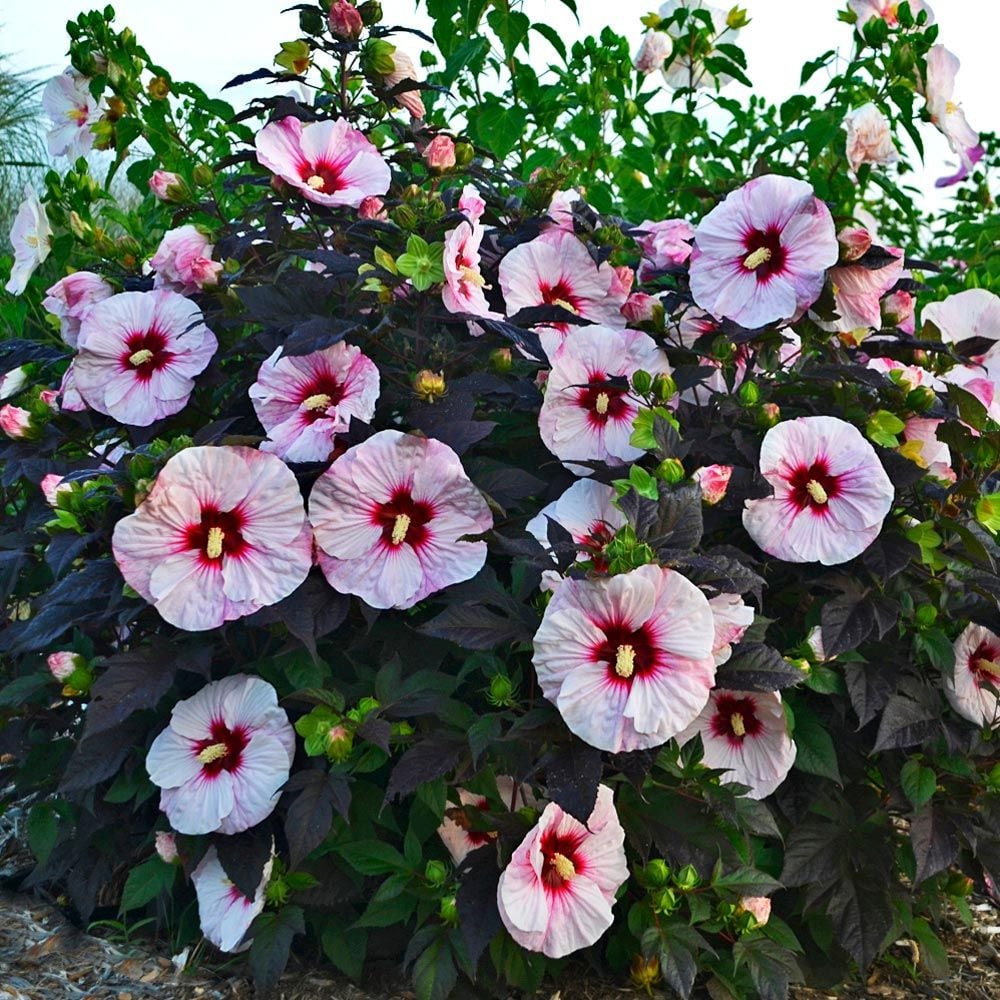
{"x":664,"y":388}
{"x":464,"y":154}
{"x":501,"y":360}
{"x":687,"y":877}
{"x":671,"y":470}
{"x":436,"y":872}
{"x":371,"y":12}
{"x":657,"y":872}
{"x":502,"y":691}
{"x":203,"y":175}
{"x":665,"y":901}
{"x":926,"y":615}
{"x":748,"y":394}
{"x":642,"y":382}
{"x":449,"y":910}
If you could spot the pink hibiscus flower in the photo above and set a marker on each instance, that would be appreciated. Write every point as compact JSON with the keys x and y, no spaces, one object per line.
{"x":746,"y":734}
{"x":869,"y":137}
{"x":222,"y":534}
{"x":831,"y":493}
{"x":556,"y":269}
{"x":666,"y":244}
{"x":471,"y":203}
{"x":887,"y":10}
{"x":584,"y":415}
{"x":225,"y":913}
{"x":924,"y":448}
{"x":946,"y":113}
{"x":303,"y":401}
{"x":389,"y":515}
{"x":761,"y":256}
{"x":972,"y":313}
{"x":910,"y":376}
{"x":714,"y":482}
{"x":223,"y":759}
{"x":183,"y":261}
{"x":72,"y":111}
{"x":588,"y":512}
{"x":858,"y":291}
{"x":977,"y":670}
{"x":31,"y":238}
{"x":329,"y":162}
{"x":560,"y":210}
{"x":72,"y":298}
{"x":731,"y":618}
{"x":455,"y":831}
{"x":464,"y":284}
{"x":556,"y":894}
{"x":628,"y":659}
{"x":139,"y":353}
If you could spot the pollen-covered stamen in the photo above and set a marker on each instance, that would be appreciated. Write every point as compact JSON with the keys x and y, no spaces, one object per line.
{"x":625,"y":661}
{"x":565,"y":868}
{"x":816,"y":491}
{"x":568,"y":306}
{"x":471,"y":275}
{"x":951,"y":108}
{"x":602,"y":402}
{"x":736,"y":722}
{"x":760,"y":256}
{"x":213,"y":544}
{"x":213,"y":752}
{"x":32,"y":240}
{"x":319,"y":401}
{"x":399,"y":529}
{"x":984,"y":666}
{"x":316,"y":182}
{"x":140,"y":357}
{"x":78,"y":115}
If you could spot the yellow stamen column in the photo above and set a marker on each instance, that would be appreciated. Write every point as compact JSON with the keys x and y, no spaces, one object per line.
{"x":563,"y":866}
{"x":400,"y":528}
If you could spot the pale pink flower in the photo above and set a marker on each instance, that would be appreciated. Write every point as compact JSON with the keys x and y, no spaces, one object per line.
{"x":898,"y":310}
{"x":977,"y":670}
{"x":72,"y":297}
{"x":345,"y":20}
{"x":622,"y":283}
{"x":51,"y":486}
{"x":222,"y":534}
{"x":946,"y":114}
{"x":70,"y":399}
{"x":745,"y":733}
{"x":15,"y":422}
{"x":62,"y":664}
{"x":972,"y":313}
{"x":372,"y":207}
{"x":831,"y":493}
{"x":759,"y":907}
{"x":666,"y":244}
{"x":223,"y":759}
{"x":471,"y":203}
{"x":440,"y":153}
{"x":12,"y":382}
{"x":923,"y":446}
{"x":464,"y":284}
{"x":329,"y":162}
{"x":584,"y":415}
{"x":731,"y":618}
{"x":166,"y":847}
{"x":72,"y":111}
{"x":557,"y":893}
{"x":627,"y":659}
{"x":557,"y":269}
{"x":139,"y":353}
{"x":761,"y":256}
{"x":858,"y":291}
{"x":866,"y":10}
{"x":405,"y":68}
{"x":388,"y":517}
{"x":981,"y":380}
{"x":714,"y":482}
{"x":31,"y":238}
{"x":684,"y":69}
{"x":50,"y":398}
{"x":225,"y":913}
{"x":455,"y":832}
{"x":303,"y":401}
{"x":183,"y":261}
{"x":910,"y":376}
{"x":560,"y":210}
{"x":166,"y":186}
{"x":869,"y":137}
{"x":655,"y":47}
{"x":588,"y":512}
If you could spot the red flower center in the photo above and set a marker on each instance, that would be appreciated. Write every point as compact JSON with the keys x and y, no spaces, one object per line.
{"x":323,"y":177}
{"x":559,"y":294}
{"x":985,"y":664}
{"x":735,"y":719}
{"x":218,"y":534}
{"x":593,"y":543}
{"x":461,"y":819}
{"x":320,"y":394}
{"x":601,"y":400}
{"x":403,"y":519}
{"x":223,"y":750}
{"x":765,"y":256}
{"x":628,"y":653}
{"x":813,"y":486}
{"x":561,"y":859}
{"x":145,"y":352}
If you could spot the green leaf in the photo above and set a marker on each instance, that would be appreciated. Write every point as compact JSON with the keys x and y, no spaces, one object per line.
{"x":815,"y":752}
{"x":272,"y":935}
{"x":434,"y":972}
{"x":747,"y":882}
{"x":552,"y":37}
{"x":498,"y":127}
{"x":372,"y":857}
{"x":919,"y":782}
{"x":43,"y":830}
{"x":146,"y":882}
{"x":346,"y":947}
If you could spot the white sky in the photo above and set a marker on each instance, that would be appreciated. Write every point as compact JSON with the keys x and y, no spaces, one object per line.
{"x":211,"y":41}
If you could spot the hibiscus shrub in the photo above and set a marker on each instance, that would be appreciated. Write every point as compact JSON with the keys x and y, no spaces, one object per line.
{"x":468,"y":532}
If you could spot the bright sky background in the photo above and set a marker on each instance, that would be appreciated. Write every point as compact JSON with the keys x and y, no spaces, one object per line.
{"x":211,"y":41}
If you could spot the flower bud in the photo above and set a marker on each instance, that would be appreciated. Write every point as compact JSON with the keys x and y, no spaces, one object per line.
{"x":51,"y":486}
{"x":371,"y":12}
{"x":714,"y":481}
{"x":429,"y":386}
{"x":16,"y":423}
{"x":449,"y":910}
{"x":404,"y":217}
{"x":664,"y":388}
{"x":814,"y":640}
{"x":723,"y":348}
{"x":345,"y":21}
{"x":440,"y":153}
{"x":671,"y":470}
{"x":339,"y":743}
{"x":64,"y":663}
{"x":502,"y":691}
{"x":167,"y":186}
{"x":768,"y":415}
{"x":759,"y":907}
{"x":687,"y":878}
{"x":158,"y":88}
{"x":664,"y":901}
{"x":501,"y":360}
{"x":166,"y":846}
{"x":921,"y":399}
{"x":737,"y":18}
{"x":116,"y":109}
{"x":657,"y":872}
{"x":644,"y":972}
{"x":898,"y":310}
{"x":642,"y":382}
{"x":926,"y":615}
{"x":748,"y":394}
{"x":13,"y":382}
{"x":854,"y":243}
{"x":435,"y":872}
{"x":464,"y":154}
{"x":203,"y":175}
{"x":372,"y":207}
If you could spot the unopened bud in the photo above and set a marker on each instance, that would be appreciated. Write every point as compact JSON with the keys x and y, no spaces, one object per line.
{"x":759,"y":907}
{"x":429,"y":386}
{"x":62,"y":664}
{"x":714,"y":482}
{"x":168,"y":186}
{"x":372,"y":207}
{"x":339,"y":743}
{"x":501,"y":360}
{"x":920,"y":399}
{"x":371,"y":12}
{"x":671,"y":470}
{"x":687,"y":877}
{"x":158,"y":88}
{"x":768,"y":415}
{"x":345,"y":21}
{"x":644,"y":972}
{"x":203,"y":175}
{"x":854,"y":243}
{"x":435,"y":872}
{"x":464,"y":154}
{"x":664,"y":388}
{"x":642,"y":382}
{"x":502,"y":693}
{"x":440,"y":153}
{"x":748,"y":394}
{"x":657,"y":872}
{"x":449,"y":910}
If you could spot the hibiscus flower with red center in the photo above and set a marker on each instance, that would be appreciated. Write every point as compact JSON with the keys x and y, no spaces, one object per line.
{"x":225,"y":913}
{"x":972,"y":688}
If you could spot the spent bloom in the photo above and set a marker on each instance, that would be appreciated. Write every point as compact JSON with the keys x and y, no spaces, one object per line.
{"x":556,"y":894}
{"x":225,"y":913}
{"x":166,"y":846}
{"x":858,"y":291}
{"x":72,"y":110}
{"x":63,"y":663}
{"x":745,"y":734}
{"x":183,"y":261}
{"x":972,"y":688}
{"x":31,"y":238}
{"x":923,"y":447}
{"x":714,"y":482}
{"x":223,"y":759}
{"x":72,"y":297}
{"x":139,"y":353}
{"x":16,"y":422}
{"x":587,"y":412}
{"x":759,"y":907}
{"x":627,"y":659}
{"x":831,"y":493}
{"x":655,"y":47}
{"x":664,"y":245}
{"x":51,"y":486}
{"x":405,"y":69}
{"x":372,"y":207}
{"x":302,"y":401}
{"x":12,"y":382}
{"x":761,"y":255}
{"x":221,"y":535}
{"x":389,"y":516}
{"x":329,"y":162}
{"x":345,"y":20}
{"x":972,"y":313}
{"x":731,"y":618}
{"x":869,"y":137}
